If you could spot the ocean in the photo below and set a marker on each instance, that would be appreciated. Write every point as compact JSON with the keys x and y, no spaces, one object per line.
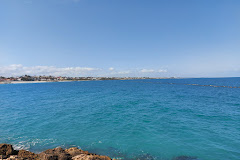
{"x":126,"y":119}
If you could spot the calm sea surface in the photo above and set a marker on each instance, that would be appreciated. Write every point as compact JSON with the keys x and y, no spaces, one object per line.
{"x":145,"y":119}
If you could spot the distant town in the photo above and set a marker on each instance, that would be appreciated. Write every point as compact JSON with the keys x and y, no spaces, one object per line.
{"x":28,"y":78}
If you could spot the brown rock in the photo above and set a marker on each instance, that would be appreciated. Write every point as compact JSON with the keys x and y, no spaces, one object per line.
{"x":74,"y":151}
{"x":54,"y":154}
{"x":3,"y":156}
{"x":90,"y":157}
{"x":7,"y":149}
{"x":81,"y":157}
{"x":8,"y":153}
{"x":27,"y":155}
{"x":14,"y":157}
{"x":102,"y":157}
{"x":79,"y":154}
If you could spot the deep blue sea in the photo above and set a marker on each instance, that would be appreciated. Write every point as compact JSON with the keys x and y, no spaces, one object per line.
{"x":128,"y":119}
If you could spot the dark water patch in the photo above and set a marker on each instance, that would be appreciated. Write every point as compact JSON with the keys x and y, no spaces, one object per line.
{"x":202,"y":85}
{"x":185,"y":158}
{"x":115,"y":153}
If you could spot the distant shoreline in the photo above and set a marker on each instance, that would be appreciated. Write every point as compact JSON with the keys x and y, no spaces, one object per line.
{"x":22,"y":82}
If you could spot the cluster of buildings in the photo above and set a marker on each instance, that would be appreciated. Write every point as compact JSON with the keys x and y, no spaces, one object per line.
{"x":60,"y":78}
{"x":32,"y":78}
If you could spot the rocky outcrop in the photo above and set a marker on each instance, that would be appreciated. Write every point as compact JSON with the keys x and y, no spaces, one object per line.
{"x":6,"y":150}
{"x":27,"y":155}
{"x":90,"y":157}
{"x":55,"y":154}
{"x":74,"y":151}
{"x":78,"y":154}
{"x":8,"y":153}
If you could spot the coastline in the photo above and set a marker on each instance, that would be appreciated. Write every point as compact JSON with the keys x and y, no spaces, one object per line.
{"x":7,"y":152}
{"x":26,"y":82}
{"x":45,"y":79}
{"x":23,"y":82}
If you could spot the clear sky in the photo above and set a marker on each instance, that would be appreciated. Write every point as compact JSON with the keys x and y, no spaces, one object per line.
{"x":183,"y":38}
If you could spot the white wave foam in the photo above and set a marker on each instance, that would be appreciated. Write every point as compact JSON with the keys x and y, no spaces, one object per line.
{"x":27,"y":144}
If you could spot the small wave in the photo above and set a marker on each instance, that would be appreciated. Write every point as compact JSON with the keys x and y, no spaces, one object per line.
{"x":21,"y":143}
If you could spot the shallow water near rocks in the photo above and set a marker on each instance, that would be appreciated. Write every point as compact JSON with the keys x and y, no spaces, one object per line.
{"x":131,"y":119}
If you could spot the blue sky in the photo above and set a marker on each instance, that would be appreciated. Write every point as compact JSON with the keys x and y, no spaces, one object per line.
{"x":183,"y":38}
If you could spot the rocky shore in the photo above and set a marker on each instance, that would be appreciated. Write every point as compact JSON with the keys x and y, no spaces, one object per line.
{"x":8,"y":153}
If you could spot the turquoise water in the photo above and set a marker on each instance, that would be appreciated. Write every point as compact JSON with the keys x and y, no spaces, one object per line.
{"x":145,"y":119}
